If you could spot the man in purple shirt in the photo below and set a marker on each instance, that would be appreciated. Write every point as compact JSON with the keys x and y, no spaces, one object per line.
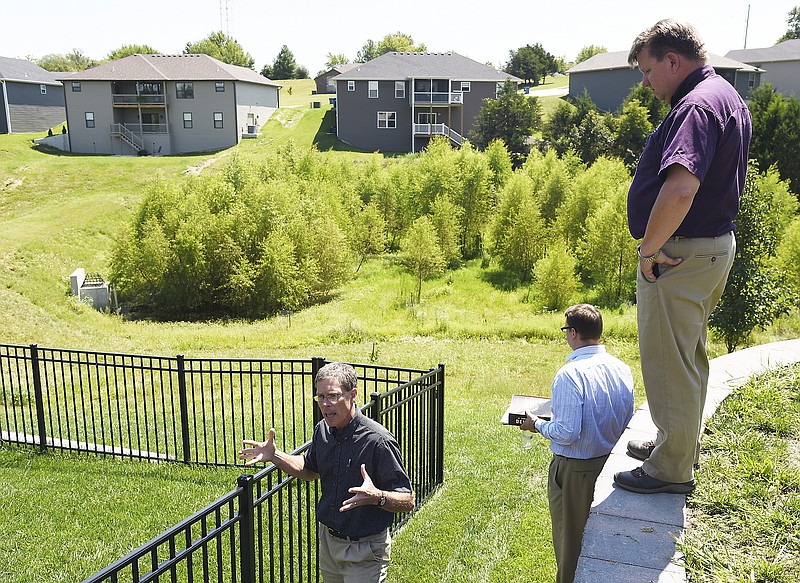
{"x":592,"y":402}
{"x":681,"y":204}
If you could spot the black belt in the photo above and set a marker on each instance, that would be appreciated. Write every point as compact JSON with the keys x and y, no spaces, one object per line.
{"x":336,"y":534}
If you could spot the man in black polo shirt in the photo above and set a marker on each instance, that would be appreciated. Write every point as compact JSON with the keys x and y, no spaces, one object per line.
{"x":363,"y":480}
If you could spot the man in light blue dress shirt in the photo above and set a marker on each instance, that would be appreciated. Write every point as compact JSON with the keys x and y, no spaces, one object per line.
{"x":592,"y":402}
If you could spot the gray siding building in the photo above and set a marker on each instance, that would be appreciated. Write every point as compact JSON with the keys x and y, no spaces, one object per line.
{"x":398,"y":101}
{"x":608,"y":78}
{"x":165,"y":104}
{"x":781,"y":65}
{"x":31,"y":99}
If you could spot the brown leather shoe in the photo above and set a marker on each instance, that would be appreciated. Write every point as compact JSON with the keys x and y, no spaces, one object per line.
{"x":641,"y":450}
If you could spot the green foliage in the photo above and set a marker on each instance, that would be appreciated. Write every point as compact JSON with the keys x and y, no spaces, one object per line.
{"x":368,"y":235}
{"x":399,"y":42}
{"x":793,"y":32}
{"x":588,"y":52}
{"x":656,"y":109}
{"x":72,"y":61}
{"x":786,"y":256}
{"x":222,"y":47}
{"x":446,"y":219}
{"x":531,"y":63}
{"x":555,"y":278}
{"x":776,"y":131}
{"x":632,"y":129}
{"x":756,"y":292}
{"x":511,"y":118}
{"x":284,"y":67}
{"x":332,"y":60}
{"x":420,"y":252}
{"x":519,"y":231}
{"x":128,"y":50}
{"x":499,"y":159}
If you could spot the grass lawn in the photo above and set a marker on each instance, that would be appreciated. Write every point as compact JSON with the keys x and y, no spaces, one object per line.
{"x":488,"y":522}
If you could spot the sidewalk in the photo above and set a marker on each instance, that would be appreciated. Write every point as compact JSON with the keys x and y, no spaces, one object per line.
{"x":630,"y":538}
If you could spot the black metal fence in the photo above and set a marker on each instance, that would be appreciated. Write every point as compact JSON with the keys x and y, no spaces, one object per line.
{"x":199,"y":410}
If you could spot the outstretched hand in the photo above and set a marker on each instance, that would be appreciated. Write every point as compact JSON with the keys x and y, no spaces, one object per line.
{"x":261,"y":451}
{"x":365,"y":495}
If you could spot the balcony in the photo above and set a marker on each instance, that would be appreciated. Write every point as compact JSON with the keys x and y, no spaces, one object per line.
{"x":438,"y":97}
{"x":133,"y":100}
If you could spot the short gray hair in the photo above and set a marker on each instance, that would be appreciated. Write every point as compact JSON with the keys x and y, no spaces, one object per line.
{"x":342,"y":373}
{"x":665,"y":36}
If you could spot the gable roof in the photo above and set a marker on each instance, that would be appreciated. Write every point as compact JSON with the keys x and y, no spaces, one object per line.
{"x":338,"y":69}
{"x":396,"y":65}
{"x":788,"y":50}
{"x":619,"y":60}
{"x":26,"y":72}
{"x":170,"y":68}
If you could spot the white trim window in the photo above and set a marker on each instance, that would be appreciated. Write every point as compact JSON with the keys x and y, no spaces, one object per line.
{"x":387,"y":120}
{"x":187,"y":120}
{"x":219,"y":87}
{"x":373,"y":90}
{"x":751,"y":80}
{"x":400,"y":89}
{"x":217,"y":120}
{"x":184,"y":90}
{"x":76,"y":86}
{"x":43,"y":89}
{"x":351,"y":85}
{"x":466,"y":86}
{"x":89,"y":117}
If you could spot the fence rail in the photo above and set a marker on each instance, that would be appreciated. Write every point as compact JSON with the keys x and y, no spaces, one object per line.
{"x":198,"y":411}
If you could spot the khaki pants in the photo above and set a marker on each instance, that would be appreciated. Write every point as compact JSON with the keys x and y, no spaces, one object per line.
{"x":570,"y":491}
{"x":363,"y":561}
{"x":673,"y":316}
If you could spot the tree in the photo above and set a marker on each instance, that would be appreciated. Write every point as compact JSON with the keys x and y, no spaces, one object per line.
{"x":656,"y":109}
{"x":73,"y":61}
{"x":368,"y":235}
{"x":128,"y":50}
{"x":554,"y":279}
{"x":420,"y":252}
{"x":588,"y":52}
{"x":511,"y":118}
{"x":531,"y":63}
{"x":398,"y":42}
{"x":776,"y":132}
{"x":632,"y":129}
{"x":334,"y":60}
{"x":283,"y":67}
{"x":756,"y":293}
{"x":793,"y":21}
{"x":221,"y":47}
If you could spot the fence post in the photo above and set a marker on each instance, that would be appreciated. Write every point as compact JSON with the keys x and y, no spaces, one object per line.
{"x":440,"y":425}
{"x":375,"y":407}
{"x":39,"y":398}
{"x":247,"y":536}
{"x":184,"y":405}
{"x":317,"y":362}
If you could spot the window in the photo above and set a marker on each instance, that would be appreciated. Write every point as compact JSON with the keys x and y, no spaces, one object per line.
{"x":351,"y":85}
{"x":426,"y":118}
{"x":89,"y":115}
{"x":184,"y":90}
{"x":387,"y":120}
{"x":465,"y":86}
{"x":43,"y":89}
{"x":400,"y":89}
{"x":187,"y":120}
{"x":76,"y":86}
{"x":149,"y":88}
{"x":373,"y":90}
{"x":218,"y":120}
{"x":751,"y":80}
{"x":219,"y":87}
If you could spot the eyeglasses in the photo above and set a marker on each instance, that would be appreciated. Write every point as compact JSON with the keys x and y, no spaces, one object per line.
{"x":331,"y":398}
{"x":565,"y":328}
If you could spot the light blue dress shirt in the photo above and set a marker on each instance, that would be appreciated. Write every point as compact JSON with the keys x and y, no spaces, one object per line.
{"x":592,"y":402}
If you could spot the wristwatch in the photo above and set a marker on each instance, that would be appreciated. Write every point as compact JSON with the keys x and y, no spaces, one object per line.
{"x":382,"y":501}
{"x":648,"y":258}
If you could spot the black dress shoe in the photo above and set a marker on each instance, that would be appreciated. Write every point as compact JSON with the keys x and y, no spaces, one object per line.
{"x":638,"y":481}
{"x":641,"y":450}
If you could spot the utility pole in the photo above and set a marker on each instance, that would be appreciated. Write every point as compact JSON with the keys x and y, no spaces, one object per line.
{"x":223,"y":17}
{"x":746,"y":26}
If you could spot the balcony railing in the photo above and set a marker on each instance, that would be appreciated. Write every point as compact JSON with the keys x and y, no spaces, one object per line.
{"x":133,"y":99}
{"x":449,"y":97}
{"x":438,"y":129}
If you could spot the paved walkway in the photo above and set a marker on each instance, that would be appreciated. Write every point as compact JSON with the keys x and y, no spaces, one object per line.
{"x":630,"y":538}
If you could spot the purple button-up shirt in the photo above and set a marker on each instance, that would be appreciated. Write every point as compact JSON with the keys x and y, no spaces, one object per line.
{"x":708,"y":132}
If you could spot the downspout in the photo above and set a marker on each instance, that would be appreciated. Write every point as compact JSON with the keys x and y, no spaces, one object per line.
{"x":237,"y":137}
{"x":5,"y":103}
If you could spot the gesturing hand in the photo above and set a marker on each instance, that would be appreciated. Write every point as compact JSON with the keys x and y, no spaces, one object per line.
{"x":365,"y":494}
{"x":261,"y":451}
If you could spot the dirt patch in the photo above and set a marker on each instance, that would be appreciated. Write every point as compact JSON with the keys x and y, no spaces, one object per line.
{"x":198,"y":168}
{"x":794,"y":453}
{"x":12,"y":183}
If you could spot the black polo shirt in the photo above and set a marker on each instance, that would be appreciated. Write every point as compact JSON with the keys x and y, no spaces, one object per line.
{"x":337,"y":455}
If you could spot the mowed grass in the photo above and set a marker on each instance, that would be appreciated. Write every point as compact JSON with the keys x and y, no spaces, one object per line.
{"x":488,"y":522}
